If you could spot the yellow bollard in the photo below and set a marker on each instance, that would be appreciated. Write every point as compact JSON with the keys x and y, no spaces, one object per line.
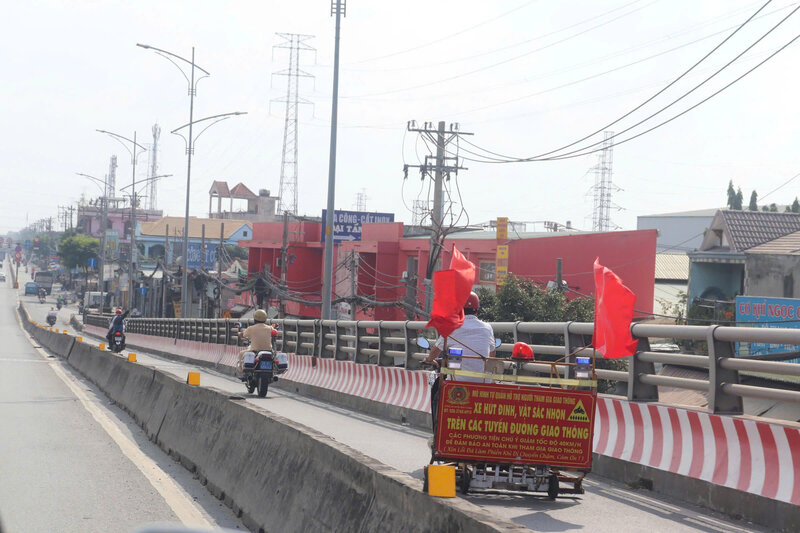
{"x":102,"y":346}
{"x":79,"y":339}
{"x":132,"y":357}
{"x":442,"y":481}
{"x":194,"y":379}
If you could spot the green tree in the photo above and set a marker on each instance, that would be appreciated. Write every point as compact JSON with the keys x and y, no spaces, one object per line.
{"x":795,"y":206}
{"x":737,"y":204}
{"x":75,"y":251}
{"x":773,"y":208}
{"x":522,"y":300}
{"x":731,"y":195}
{"x":753,"y":201}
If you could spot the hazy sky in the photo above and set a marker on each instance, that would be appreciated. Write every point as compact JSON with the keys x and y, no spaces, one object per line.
{"x":524,"y":76}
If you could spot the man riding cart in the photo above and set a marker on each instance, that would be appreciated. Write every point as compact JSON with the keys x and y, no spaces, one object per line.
{"x":501,"y":424}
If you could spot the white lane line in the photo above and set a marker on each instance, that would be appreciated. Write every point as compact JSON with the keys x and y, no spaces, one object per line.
{"x":176,"y":498}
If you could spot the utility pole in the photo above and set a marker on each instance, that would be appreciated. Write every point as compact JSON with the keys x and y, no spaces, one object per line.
{"x":353,"y":273}
{"x":219,"y":268}
{"x":338,"y":9}
{"x":165,"y":281}
{"x":411,"y":287}
{"x":440,"y":166}
{"x":284,"y":260}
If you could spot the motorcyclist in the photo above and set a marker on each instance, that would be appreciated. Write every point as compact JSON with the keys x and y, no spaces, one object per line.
{"x":260,"y":335}
{"x":116,"y":324}
{"x":42,"y":294}
{"x":52,"y":316}
{"x":476,"y":340}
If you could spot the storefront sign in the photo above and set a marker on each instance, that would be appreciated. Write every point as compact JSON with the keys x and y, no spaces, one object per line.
{"x":515,"y":424}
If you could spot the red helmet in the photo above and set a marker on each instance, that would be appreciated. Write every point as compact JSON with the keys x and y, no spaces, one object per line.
{"x":274,"y":332}
{"x":119,"y":311}
{"x":522,"y":351}
{"x":473,"y":302}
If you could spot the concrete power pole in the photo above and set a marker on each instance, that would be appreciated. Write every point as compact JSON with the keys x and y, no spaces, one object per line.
{"x":295,"y":43}
{"x":284,"y":260}
{"x":438,"y":168}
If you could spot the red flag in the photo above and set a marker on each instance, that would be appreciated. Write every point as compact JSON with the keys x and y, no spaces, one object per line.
{"x":613,"y":312}
{"x":451,"y":289}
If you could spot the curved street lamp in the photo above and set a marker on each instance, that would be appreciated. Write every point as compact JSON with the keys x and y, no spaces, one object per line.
{"x":135,"y":150}
{"x":178,"y":61}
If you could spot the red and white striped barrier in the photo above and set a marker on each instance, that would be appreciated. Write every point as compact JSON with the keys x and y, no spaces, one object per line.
{"x":746,"y":455}
{"x":394,"y":386}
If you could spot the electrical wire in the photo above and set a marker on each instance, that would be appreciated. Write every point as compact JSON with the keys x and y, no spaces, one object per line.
{"x":498,"y":63}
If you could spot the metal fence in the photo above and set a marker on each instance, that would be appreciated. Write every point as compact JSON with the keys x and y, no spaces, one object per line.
{"x":388,"y":343}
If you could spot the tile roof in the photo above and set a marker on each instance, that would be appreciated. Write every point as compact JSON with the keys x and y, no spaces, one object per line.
{"x":220,"y":188}
{"x":241,"y":191}
{"x":212,"y":225}
{"x":747,"y":229}
{"x":786,"y":245}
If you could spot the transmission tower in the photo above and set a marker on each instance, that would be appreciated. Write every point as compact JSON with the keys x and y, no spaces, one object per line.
{"x":152,"y":188}
{"x":603,"y":186}
{"x":361,"y":200}
{"x":295,"y":43}
{"x":111,"y":182}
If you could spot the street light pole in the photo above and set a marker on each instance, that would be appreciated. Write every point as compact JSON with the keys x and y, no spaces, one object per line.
{"x":185,"y":299}
{"x":133,"y":252}
{"x":327,"y":275}
{"x":102,"y":258}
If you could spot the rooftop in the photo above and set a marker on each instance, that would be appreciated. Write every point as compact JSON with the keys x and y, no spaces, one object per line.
{"x":672,"y":267}
{"x":747,"y":229}
{"x":212,"y":226}
{"x":697,"y":213}
{"x":786,"y":245}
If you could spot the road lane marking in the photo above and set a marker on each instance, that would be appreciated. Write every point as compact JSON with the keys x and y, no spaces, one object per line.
{"x":176,"y":498}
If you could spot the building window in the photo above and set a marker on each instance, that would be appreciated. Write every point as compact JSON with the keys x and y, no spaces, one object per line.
{"x":486,"y":271}
{"x":244,"y":234}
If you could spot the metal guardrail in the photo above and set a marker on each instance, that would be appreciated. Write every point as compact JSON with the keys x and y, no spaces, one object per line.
{"x":393,"y":343}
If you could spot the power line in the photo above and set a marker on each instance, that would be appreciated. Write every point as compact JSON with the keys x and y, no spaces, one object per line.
{"x":665,"y":88}
{"x":498,"y":63}
{"x":446,"y":37}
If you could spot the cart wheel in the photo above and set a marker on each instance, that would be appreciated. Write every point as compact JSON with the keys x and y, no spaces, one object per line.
{"x":425,"y":479}
{"x":466,"y":479}
{"x":552,"y":487}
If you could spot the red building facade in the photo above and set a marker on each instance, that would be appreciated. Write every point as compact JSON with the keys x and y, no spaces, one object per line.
{"x":375,"y":268}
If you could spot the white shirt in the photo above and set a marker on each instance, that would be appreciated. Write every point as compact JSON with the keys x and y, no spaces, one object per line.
{"x":476,"y":339}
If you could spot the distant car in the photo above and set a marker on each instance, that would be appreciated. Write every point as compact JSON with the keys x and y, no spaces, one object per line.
{"x":2,"y":276}
{"x":32,"y":288}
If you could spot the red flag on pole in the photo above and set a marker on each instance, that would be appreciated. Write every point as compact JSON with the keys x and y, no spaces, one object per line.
{"x":613,"y":313}
{"x":451,"y":289}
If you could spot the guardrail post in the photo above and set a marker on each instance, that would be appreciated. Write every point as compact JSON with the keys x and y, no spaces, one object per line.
{"x":718,"y":401}
{"x":410,"y":347}
{"x":572,"y":342}
{"x":360,"y":357}
{"x":638,"y":391}
{"x":383,"y":358}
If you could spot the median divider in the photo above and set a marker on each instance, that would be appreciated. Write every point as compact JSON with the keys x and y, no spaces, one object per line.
{"x":277,"y":474}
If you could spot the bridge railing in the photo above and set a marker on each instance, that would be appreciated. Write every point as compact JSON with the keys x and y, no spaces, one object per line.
{"x":393,"y":343}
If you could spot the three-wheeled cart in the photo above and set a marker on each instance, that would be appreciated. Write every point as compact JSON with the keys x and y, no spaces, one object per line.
{"x":505,"y":431}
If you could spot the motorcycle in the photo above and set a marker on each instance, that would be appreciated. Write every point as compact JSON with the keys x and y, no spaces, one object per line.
{"x":117,"y":342}
{"x":59,"y":305}
{"x":51,"y":319}
{"x":42,"y":299}
{"x":259,"y":370}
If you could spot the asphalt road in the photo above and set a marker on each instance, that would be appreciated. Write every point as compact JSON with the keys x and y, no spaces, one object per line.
{"x":607,"y":506}
{"x":71,"y":461}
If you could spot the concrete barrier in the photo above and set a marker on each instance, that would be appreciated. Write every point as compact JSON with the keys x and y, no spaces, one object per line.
{"x":277,"y":474}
